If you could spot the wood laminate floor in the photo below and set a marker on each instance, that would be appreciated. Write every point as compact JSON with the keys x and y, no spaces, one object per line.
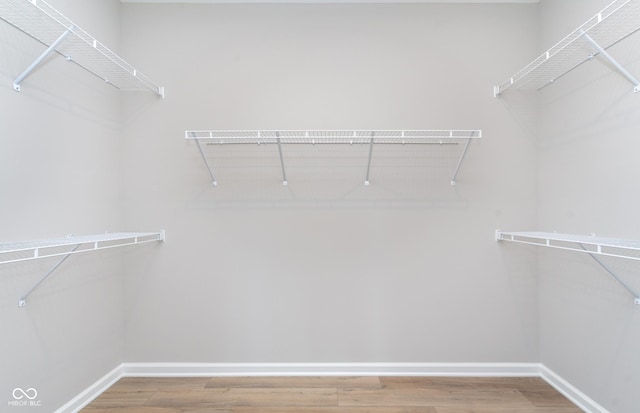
{"x":331,"y":395}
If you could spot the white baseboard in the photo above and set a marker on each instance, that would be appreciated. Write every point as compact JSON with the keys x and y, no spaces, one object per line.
{"x":570,"y":392}
{"x":332,"y":369}
{"x":91,"y":392}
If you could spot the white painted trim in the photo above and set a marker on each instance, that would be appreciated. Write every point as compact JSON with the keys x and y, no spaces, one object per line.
{"x":332,"y":369}
{"x":570,"y":392}
{"x":90,"y":393}
{"x":331,"y":1}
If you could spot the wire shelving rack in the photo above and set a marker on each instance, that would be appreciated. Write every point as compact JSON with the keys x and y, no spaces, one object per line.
{"x":12,"y":252}
{"x":370,"y":138}
{"x":616,"y":22}
{"x":60,"y":35}
{"x":591,"y":245}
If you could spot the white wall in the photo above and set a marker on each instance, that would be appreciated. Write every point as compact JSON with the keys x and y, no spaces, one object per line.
{"x":587,"y":183}
{"x":60,"y":147}
{"x":326,"y":269}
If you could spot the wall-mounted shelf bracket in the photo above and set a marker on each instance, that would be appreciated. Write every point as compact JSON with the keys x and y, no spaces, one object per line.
{"x":45,"y":24}
{"x":366,"y":179}
{"x":589,"y":244}
{"x":370,"y":138}
{"x":22,"y":301}
{"x":464,"y":153}
{"x":31,"y":250}
{"x":636,"y":296}
{"x":204,"y":158}
{"x":284,"y":173}
{"x":38,"y":61}
{"x":614,"y":62}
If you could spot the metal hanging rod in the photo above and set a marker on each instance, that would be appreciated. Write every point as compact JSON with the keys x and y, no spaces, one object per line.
{"x":616,"y":22}
{"x":59,"y":247}
{"x":332,"y":137}
{"x":588,"y":244}
{"x":48,"y":26}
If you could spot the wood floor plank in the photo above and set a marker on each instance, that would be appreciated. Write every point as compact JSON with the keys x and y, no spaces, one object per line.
{"x":368,"y":395}
{"x":537,"y":391}
{"x":546,"y":396}
{"x":157,"y":383}
{"x":428,"y":409}
{"x":514,"y":383}
{"x":498,"y":409}
{"x":432,"y":397}
{"x":295,"y":382}
{"x":129,"y":409}
{"x":122,"y":397}
{"x":217,"y":397}
{"x":143,"y":409}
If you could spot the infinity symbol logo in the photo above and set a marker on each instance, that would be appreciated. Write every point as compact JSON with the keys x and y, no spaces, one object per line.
{"x":30,"y":393}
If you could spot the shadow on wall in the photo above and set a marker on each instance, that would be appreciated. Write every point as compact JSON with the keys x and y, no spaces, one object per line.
{"x":400,"y":176}
{"x":523,"y":107}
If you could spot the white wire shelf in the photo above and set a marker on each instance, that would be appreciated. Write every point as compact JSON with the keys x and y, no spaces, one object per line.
{"x":616,"y":22}
{"x":589,"y":244}
{"x":332,"y":136}
{"x":65,"y":247}
{"x":48,"y":26}
{"x":31,"y":250}
{"x":370,"y":138}
{"x":595,"y":245}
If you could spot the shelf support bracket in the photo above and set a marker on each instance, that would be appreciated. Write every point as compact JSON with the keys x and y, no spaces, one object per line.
{"x":366,"y":179}
{"x":284,"y":174}
{"x":614,"y":62}
{"x":206,"y":162}
{"x":22,"y":302}
{"x":40,"y":59}
{"x":636,"y":296}
{"x":464,"y":153}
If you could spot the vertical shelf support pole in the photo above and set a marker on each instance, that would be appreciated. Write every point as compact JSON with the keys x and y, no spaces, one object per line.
{"x":613,"y":61}
{"x":284,"y":174}
{"x":206,"y":162}
{"x":636,"y":296}
{"x":366,"y":179}
{"x":464,"y":153}
{"x":23,"y":299}
{"x":39,"y":60}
